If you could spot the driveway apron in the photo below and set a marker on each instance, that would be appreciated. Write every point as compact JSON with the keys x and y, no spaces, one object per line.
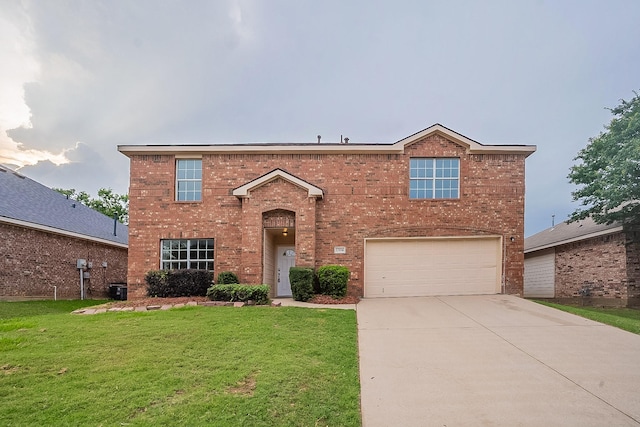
{"x":494,"y":360}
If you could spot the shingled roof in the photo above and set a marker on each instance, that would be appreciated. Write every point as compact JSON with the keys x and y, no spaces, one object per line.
{"x":568,"y":232}
{"x":27,"y":203}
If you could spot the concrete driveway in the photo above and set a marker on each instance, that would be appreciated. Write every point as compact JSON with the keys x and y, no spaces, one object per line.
{"x":493,"y":360}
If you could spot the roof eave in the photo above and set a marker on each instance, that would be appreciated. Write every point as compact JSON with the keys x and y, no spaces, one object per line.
{"x":62,"y":232}
{"x":574,"y":239}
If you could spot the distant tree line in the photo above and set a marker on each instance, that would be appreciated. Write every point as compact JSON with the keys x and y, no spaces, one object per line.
{"x":107,"y":202}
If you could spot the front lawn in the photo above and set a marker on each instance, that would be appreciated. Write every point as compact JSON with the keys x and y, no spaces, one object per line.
{"x":623,"y":318}
{"x":223,"y":366}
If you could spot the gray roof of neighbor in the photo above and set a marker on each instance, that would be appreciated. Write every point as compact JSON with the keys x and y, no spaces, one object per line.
{"x":568,"y":232}
{"x":26,"y":200}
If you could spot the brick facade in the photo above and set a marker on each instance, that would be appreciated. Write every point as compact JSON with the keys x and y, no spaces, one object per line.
{"x":602,"y":270}
{"x":32,"y":262}
{"x":365,"y":196}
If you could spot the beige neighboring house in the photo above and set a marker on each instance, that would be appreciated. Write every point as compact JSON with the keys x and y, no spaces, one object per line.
{"x":584,"y":263}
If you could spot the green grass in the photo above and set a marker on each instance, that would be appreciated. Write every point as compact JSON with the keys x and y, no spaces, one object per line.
{"x":223,"y":366}
{"x":623,"y":318}
{"x":9,"y":310}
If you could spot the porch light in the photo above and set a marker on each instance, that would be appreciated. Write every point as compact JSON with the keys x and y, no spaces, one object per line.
{"x":284,"y":232}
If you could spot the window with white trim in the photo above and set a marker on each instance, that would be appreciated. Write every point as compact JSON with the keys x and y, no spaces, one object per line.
{"x":177,"y":254}
{"x":434,"y":178}
{"x":189,"y":179}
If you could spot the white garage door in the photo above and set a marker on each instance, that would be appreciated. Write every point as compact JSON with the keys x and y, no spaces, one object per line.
{"x":539,"y":274}
{"x":432,"y":266}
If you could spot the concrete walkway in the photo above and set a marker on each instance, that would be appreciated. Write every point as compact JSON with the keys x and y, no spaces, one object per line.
{"x":493,"y":361}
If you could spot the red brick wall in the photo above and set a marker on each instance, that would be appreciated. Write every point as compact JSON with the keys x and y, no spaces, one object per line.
{"x":598,"y":264}
{"x":32,"y":262}
{"x":632,"y":245}
{"x":365,"y":195}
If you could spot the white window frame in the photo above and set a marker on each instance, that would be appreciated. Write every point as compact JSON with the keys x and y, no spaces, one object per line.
{"x":172,"y":258}
{"x":189,"y":175}
{"x":434,"y":179}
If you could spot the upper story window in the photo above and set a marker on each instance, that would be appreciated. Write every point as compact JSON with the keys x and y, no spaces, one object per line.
{"x":434,"y":178}
{"x":189,"y":179}
{"x":179,"y":254}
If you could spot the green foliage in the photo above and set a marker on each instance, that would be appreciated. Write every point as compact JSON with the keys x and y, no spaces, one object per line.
{"x":227,"y":278}
{"x":157,"y":283}
{"x":107,"y":202}
{"x":332,"y":280}
{"x":301,"y":279}
{"x":236,"y":292}
{"x":609,"y":170}
{"x":178,"y":283}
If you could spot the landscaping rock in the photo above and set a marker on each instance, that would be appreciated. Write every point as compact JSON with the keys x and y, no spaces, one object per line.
{"x":276,"y":303}
{"x":238,"y":304}
{"x":154,"y":307}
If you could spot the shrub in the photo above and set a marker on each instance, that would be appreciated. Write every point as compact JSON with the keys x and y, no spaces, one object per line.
{"x":333,"y":280}
{"x":178,"y":283}
{"x":301,"y":279}
{"x":236,"y":292}
{"x":227,"y":278}
{"x":157,"y":283}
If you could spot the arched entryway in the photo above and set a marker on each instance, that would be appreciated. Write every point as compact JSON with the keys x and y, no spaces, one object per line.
{"x":279,"y":254}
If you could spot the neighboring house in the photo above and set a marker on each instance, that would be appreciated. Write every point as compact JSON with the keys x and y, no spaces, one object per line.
{"x":435,"y":213}
{"x":44,"y":235}
{"x":584,"y":263}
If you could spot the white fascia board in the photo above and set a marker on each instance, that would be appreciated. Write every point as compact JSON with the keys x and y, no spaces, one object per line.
{"x":61,"y":232}
{"x":472,"y":147}
{"x":244,"y":190}
{"x":351,"y":148}
{"x":574,"y":239}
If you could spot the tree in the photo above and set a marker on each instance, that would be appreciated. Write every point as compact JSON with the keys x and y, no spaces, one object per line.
{"x":108,"y":202}
{"x":609,"y":170}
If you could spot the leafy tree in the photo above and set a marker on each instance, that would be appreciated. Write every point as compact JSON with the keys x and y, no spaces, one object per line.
{"x":107,"y":202}
{"x":609,"y":170}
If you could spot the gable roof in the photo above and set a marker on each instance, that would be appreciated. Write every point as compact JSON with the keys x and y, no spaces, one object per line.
{"x":27,"y":203}
{"x":244,"y":190}
{"x":398,"y":147}
{"x":564,"y":233}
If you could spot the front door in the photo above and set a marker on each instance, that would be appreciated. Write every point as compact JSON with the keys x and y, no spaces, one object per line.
{"x":286,"y":260}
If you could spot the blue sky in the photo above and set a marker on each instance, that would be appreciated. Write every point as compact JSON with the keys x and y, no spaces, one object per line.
{"x":81,"y":77}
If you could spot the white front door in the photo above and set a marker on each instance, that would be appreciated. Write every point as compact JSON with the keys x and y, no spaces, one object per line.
{"x":286,"y":260}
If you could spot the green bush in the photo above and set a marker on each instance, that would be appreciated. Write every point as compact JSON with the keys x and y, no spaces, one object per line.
{"x":227,"y":278}
{"x":157,"y":283}
{"x":236,"y":292}
{"x":301,"y":279}
{"x":178,"y":283}
{"x":333,"y":280}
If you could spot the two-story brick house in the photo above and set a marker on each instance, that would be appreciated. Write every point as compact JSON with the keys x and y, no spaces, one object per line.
{"x":435,"y":213}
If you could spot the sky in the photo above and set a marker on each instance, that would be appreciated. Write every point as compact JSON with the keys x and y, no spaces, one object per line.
{"x":79,"y":78}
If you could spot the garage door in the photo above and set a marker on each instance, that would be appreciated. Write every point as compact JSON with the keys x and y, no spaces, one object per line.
{"x":539,"y":274}
{"x":432,"y":266}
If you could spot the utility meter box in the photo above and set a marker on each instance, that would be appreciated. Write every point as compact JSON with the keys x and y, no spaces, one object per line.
{"x":81,"y":263}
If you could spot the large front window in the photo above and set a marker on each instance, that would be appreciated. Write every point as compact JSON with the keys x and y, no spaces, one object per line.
{"x":434,"y":178}
{"x":186,"y":253}
{"x":189,"y":180}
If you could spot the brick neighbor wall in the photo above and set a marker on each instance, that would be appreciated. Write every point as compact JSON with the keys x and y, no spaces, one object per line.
{"x":594,"y":270}
{"x":632,"y":245}
{"x":365,"y":195}
{"x":33,"y":261}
